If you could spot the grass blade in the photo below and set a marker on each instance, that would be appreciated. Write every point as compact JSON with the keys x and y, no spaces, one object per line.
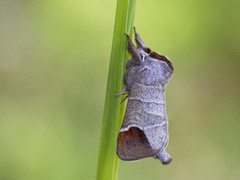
{"x":113,"y":113}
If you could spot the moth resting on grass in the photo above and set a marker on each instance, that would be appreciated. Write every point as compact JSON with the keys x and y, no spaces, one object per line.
{"x":144,"y":131}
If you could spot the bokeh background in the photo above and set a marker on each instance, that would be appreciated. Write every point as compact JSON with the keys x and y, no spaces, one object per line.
{"x":54,"y":58}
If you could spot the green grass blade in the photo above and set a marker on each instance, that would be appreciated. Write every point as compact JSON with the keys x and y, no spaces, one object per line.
{"x":131,"y":12}
{"x":113,"y":113}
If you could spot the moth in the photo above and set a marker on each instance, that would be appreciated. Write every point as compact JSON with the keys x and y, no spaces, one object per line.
{"x":144,"y":131}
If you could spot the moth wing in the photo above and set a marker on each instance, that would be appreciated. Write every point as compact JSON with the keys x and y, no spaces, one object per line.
{"x":161,"y":57}
{"x":133,"y":145}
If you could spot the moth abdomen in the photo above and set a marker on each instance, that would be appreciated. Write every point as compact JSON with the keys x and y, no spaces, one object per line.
{"x":145,"y":93}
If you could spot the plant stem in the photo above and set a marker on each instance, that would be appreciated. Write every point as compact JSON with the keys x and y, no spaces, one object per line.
{"x":113,"y":112}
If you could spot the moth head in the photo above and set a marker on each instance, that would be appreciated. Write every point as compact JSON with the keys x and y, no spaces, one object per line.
{"x":143,"y":54}
{"x":148,"y":52}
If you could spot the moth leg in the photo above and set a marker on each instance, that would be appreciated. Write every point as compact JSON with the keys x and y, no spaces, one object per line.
{"x":124,"y":99}
{"x":163,"y":156}
{"x":132,"y":49}
{"x":122,"y":92}
{"x":138,"y":40}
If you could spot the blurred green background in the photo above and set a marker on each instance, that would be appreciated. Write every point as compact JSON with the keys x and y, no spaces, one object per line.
{"x":54,"y":58}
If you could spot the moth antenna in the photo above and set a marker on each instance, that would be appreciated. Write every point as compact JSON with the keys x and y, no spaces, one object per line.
{"x":138,"y":40}
{"x":132,"y":49}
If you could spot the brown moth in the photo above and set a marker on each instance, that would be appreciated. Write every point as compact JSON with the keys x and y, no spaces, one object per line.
{"x":144,"y":131}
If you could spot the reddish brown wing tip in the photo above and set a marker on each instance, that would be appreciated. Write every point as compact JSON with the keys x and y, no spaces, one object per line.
{"x":133,"y":145}
{"x":147,"y":50}
{"x":161,"y":57}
